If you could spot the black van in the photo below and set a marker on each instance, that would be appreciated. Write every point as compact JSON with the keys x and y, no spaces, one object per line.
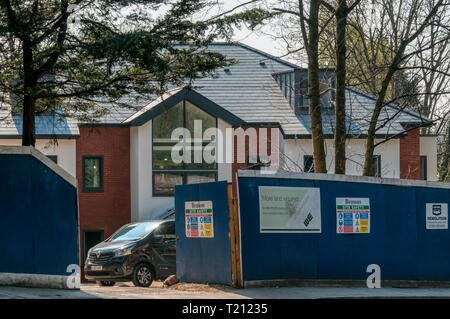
{"x":138,"y":252}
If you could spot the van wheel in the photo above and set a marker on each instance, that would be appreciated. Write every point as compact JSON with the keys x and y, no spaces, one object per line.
{"x":143,"y":275}
{"x":104,"y":283}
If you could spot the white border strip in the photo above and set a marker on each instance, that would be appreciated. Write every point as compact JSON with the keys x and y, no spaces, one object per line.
{"x":28,"y":150}
{"x":36,"y":281}
{"x":343,"y":178}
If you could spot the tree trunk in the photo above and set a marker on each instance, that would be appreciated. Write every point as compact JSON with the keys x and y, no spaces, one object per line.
{"x":445,"y":158}
{"x":370,"y":141}
{"x":28,"y":127}
{"x":315,"y":112}
{"x":29,"y":102}
{"x":340,"y":126}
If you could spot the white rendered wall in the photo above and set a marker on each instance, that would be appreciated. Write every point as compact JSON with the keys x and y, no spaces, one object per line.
{"x":389,"y":151}
{"x":224,"y":169}
{"x":64,"y":149}
{"x":428,"y":148}
{"x":143,"y":204}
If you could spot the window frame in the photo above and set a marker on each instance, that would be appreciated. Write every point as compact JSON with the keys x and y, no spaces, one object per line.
{"x":183,"y":171}
{"x":376,"y":158}
{"x":423,"y":174}
{"x":304,"y":163}
{"x":53,"y":158}
{"x":99,"y":189}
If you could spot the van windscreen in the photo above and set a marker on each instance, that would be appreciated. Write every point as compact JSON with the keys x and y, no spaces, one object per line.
{"x":134,"y":231}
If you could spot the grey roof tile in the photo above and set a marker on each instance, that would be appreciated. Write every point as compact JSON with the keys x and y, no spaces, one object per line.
{"x":249,"y":91}
{"x":46,"y":125}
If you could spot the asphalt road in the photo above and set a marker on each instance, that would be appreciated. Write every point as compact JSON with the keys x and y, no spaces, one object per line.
{"x":205,"y":292}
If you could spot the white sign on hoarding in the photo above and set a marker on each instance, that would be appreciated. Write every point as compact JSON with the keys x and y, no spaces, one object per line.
{"x":437,"y":215}
{"x":352,"y":215}
{"x":289,"y":209}
{"x":199,"y":219}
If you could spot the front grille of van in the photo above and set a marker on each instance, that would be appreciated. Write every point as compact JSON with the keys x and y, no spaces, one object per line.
{"x":100,"y":259}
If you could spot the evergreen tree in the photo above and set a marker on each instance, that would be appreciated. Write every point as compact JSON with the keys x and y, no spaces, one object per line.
{"x":80,"y":57}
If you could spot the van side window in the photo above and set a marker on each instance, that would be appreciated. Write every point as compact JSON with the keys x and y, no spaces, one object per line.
{"x":167,"y":230}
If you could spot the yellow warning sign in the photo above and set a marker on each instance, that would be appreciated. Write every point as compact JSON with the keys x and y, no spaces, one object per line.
{"x":364,"y":229}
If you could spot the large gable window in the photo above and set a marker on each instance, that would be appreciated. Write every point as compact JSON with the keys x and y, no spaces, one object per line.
{"x":166,"y":172}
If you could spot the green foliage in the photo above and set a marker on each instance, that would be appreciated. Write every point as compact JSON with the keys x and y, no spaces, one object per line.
{"x":80,"y":58}
{"x":444,"y":165}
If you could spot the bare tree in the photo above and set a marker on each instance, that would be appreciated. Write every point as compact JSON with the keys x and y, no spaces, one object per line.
{"x":389,"y":43}
{"x":308,"y":21}
{"x":433,"y":60}
{"x":340,"y":10}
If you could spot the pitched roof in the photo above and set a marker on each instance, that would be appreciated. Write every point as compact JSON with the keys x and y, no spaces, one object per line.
{"x":173,"y":97}
{"x":245,"y":91}
{"x":47,"y":126}
{"x":248,"y":89}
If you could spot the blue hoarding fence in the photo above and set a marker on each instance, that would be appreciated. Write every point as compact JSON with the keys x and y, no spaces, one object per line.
{"x":38,"y":216}
{"x":395,"y":229}
{"x":202,"y":229}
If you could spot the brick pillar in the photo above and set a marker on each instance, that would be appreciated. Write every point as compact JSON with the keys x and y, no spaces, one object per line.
{"x":109,"y":209}
{"x":410,"y":155}
{"x":249,"y":150}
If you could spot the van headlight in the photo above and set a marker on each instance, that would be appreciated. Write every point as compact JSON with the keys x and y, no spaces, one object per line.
{"x":125,"y":251}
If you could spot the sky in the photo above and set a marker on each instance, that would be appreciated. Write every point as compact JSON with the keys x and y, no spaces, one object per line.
{"x":257,"y":40}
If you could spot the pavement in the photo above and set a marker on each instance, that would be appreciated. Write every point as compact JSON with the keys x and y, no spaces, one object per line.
{"x":194,"y":291}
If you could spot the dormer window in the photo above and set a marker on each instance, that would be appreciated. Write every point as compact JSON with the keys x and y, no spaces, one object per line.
{"x":294,"y":86}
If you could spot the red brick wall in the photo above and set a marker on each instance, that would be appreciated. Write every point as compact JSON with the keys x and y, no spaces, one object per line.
{"x":410,"y":155}
{"x":110,"y":209}
{"x":240,"y":166}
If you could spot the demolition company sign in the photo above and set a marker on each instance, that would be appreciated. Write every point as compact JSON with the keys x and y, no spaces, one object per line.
{"x":437,"y":215}
{"x":199,"y":219}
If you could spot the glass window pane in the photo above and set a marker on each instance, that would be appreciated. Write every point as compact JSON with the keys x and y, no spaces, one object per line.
{"x":197,"y":155}
{"x":325,"y":83}
{"x":194,"y":178}
{"x":194,"y":113}
{"x":54,"y":158}
{"x":376,"y":166}
{"x":165,"y":182}
{"x":303,"y":98}
{"x":167,"y":229}
{"x":166,"y":122}
{"x":423,"y":168}
{"x":162,"y":158}
{"x":92,"y":173}
{"x":308,"y":165}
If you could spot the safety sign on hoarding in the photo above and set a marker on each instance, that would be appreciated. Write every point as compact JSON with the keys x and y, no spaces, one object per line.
{"x":437,"y":215}
{"x":199,"y":219}
{"x":352,"y":215}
